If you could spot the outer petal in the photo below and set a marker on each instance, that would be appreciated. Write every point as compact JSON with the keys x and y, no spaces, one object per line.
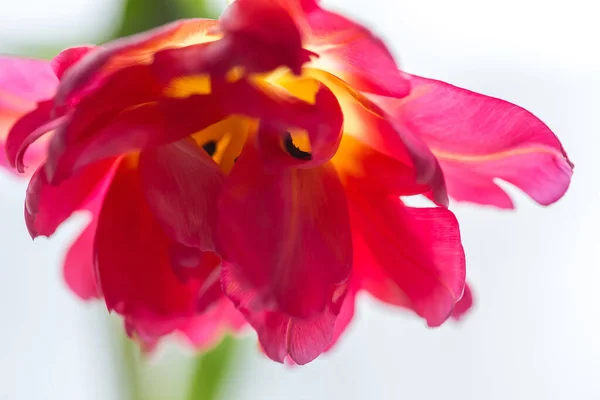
{"x":47,"y":206}
{"x":410,"y":257}
{"x":280,"y":336}
{"x":478,"y":138}
{"x":78,"y":268}
{"x":23,"y":83}
{"x":133,"y":262}
{"x":464,"y":305}
{"x":353,"y":53}
{"x":286,"y":231}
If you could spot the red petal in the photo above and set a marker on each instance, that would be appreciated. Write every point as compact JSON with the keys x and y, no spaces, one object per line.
{"x":128,"y":51}
{"x":78,"y":269}
{"x":170,"y":119}
{"x":287,"y":232}
{"x":352,"y":53}
{"x":280,"y":335}
{"x":133,"y":264}
{"x":478,"y":138}
{"x":464,"y":305}
{"x":268,"y":26}
{"x":411,"y":257}
{"x":47,"y":206}
{"x":67,"y":58}
{"x":29,"y":129}
{"x":181,"y":184}
{"x":345,"y":316}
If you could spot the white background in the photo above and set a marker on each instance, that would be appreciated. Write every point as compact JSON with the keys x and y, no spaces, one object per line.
{"x":535,"y":332}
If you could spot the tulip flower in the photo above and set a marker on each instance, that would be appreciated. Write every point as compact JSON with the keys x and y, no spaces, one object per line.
{"x":255,"y":166}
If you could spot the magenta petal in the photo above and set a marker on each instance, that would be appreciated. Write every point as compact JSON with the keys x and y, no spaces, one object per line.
{"x":79,"y":271}
{"x":287,"y":232}
{"x":47,"y":206}
{"x":478,"y":139}
{"x":181,"y":184}
{"x":67,"y":58}
{"x":411,"y":257}
{"x":24,"y":82}
{"x":280,"y":336}
{"x":206,"y":330}
{"x":464,"y":305}
{"x":353,"y":53}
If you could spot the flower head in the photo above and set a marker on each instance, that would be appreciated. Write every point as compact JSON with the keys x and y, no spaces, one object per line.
{"x":257,"y":163}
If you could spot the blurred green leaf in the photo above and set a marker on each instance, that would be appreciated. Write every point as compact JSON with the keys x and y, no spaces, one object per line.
{"x":141,"y":15}
{"x":211,"y":371}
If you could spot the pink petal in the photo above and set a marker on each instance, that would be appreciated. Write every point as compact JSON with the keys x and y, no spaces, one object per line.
{"x":24,"y":82}
{"x":280,"y":336}
{"x":464,"y":305}
{"x":287,"y":232}
{"x":351,"y":52}
{"x":205,"y":330}
{"x":410,"y":257}
{"x":478,"y":139}
{"x":47,"y":206}
{"x":182,"y":184}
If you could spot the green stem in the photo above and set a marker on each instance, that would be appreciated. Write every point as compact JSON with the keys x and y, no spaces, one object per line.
{"x":211,"y":371}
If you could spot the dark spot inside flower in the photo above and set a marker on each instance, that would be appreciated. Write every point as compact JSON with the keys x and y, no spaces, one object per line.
{"x":293,"y":150}
{"x":235,"y":159}
{"x":210,"y":147}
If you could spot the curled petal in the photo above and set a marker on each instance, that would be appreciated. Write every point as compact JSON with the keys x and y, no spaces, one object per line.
{"x":47,"y":206}
{"x":67,"y":58}
{"x":286,"y":231}
{"x":136,"y":49}
{"x":23,"y":83}
{"x":464,"y":305}
{"x":133,"y":263}
{"x":182,"y":184}
{"x":280,"y":335}
{"x":411,"y":257}
{"x":477,"y":139}
{"x":27,"y":131}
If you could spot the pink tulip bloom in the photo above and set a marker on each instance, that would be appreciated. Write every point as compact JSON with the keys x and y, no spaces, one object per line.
{"x":252,"y":168}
